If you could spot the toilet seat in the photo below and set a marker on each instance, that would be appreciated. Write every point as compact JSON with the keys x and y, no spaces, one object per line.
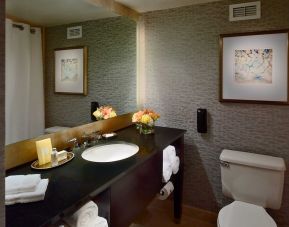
{"x":241,"y":214}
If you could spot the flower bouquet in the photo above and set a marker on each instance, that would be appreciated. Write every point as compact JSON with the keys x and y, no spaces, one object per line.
{"x":145,"y":120}
{"x":104,"y":112}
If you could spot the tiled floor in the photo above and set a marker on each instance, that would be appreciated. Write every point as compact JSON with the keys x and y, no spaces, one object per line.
{"x":160,"y":214}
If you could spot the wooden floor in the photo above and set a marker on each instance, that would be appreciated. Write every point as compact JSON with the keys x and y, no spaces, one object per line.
{"x":160,"y":214}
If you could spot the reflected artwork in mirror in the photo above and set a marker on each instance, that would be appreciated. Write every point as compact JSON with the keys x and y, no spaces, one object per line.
{"x":110,"y":40}
{"x":111,"y":44}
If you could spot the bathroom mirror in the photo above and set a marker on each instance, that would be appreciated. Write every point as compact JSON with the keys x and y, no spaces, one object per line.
{"x":110,"y":40}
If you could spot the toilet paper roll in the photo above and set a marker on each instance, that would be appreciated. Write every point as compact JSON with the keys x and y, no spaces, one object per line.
{"x":166,"y":191}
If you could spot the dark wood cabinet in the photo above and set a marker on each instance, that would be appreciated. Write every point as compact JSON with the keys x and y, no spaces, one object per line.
{"x":133,"y":192}
{"x":121,"y":189}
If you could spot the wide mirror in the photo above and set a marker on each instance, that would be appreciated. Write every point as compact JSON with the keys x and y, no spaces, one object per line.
{"x":96,"y":52}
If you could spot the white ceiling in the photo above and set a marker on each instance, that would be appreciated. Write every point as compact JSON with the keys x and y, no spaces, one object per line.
{"x":152,"y":5}
{"x":58,"y":12}
{"x":55,"y":12}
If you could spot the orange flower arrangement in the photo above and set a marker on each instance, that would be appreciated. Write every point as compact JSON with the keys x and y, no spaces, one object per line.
{"x":144,"y":120}
{"x":145,"y":116}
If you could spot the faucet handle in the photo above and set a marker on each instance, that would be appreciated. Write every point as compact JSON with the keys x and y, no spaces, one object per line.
{"x":97,"y":135}
{"x":74,"y":141}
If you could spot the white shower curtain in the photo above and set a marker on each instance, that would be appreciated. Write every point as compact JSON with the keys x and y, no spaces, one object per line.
{"x":24,"y":91}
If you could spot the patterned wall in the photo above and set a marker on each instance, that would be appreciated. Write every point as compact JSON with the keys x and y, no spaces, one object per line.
{"x":182,"y":56}
{"x":111,"y":70}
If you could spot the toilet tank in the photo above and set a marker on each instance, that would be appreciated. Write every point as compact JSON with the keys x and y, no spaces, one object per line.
{"x":253,"y":178}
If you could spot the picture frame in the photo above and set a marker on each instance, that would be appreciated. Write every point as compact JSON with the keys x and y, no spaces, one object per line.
{"x":254,"y":67}
{"x":70,"y":70}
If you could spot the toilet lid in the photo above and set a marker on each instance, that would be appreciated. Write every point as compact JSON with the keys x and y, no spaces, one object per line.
{"x":240,"y":214}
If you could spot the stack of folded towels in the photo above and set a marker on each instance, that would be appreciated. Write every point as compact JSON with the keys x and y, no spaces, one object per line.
{"x":86,"y":216}
{"x":171,"y":163}
{"x":24,"y":188}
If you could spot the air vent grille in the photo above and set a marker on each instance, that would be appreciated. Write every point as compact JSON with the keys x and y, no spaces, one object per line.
{"x":74,"y":32}
{"x":245,"y":11}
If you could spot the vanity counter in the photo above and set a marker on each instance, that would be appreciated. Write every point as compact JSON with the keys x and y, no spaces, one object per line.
{"x":78,"y":181}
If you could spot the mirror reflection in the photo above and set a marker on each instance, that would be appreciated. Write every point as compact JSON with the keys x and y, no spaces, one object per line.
{"x":34,"y":30}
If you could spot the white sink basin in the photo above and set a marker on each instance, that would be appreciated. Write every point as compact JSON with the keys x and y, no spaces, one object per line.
{"x":110,"y":152}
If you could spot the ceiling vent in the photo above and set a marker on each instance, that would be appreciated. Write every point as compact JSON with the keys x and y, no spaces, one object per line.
{"x":245,"y":11}
{"x":74,"y":32}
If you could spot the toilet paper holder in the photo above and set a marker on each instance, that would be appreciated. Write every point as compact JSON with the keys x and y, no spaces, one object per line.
{"x":166,"y":191}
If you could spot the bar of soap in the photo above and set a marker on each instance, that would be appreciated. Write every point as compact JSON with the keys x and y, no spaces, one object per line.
{"x":61,"y":155}
{"x":44,"y":149}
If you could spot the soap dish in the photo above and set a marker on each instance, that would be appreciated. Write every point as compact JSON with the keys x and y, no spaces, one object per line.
{"x":35,"y":164}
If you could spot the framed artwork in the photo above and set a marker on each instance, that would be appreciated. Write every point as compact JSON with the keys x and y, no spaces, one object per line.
{"x":254,"y":67}
{"x":71,"y":70}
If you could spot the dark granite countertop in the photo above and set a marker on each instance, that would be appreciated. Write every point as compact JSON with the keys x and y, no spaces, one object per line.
{"x":79,"y":180}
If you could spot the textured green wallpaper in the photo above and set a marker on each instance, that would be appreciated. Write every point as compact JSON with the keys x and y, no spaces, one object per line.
{"x":182,"y":71}
{"x":111,"y":46}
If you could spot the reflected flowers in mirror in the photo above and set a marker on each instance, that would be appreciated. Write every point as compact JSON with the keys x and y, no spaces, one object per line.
{"x":104,"y":112}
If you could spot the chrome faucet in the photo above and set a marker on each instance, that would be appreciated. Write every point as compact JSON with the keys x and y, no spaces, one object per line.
{"x":84,"y":140}
{"x":94,"y":137}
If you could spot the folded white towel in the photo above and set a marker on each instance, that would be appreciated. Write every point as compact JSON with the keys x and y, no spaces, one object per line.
{"x":100,"y":222}
{"x":169,"y":153}
{"x":176,"y":165}
{"x":171,"y":162}
{"x":21,"y":183}
{"x":86,"y":221}
{"x":85,"y":216}
{"x":27,"y":197}
{"x":167,"y":171}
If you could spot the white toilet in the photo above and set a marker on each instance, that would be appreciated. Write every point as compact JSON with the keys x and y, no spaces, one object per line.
{"x":255,"y":182}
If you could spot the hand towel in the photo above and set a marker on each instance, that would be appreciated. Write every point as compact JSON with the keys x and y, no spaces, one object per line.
{"x":21,"y":183}
{"x":27,"y":197}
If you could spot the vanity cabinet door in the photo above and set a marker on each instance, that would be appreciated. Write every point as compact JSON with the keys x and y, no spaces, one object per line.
{"x":132,"y":193}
